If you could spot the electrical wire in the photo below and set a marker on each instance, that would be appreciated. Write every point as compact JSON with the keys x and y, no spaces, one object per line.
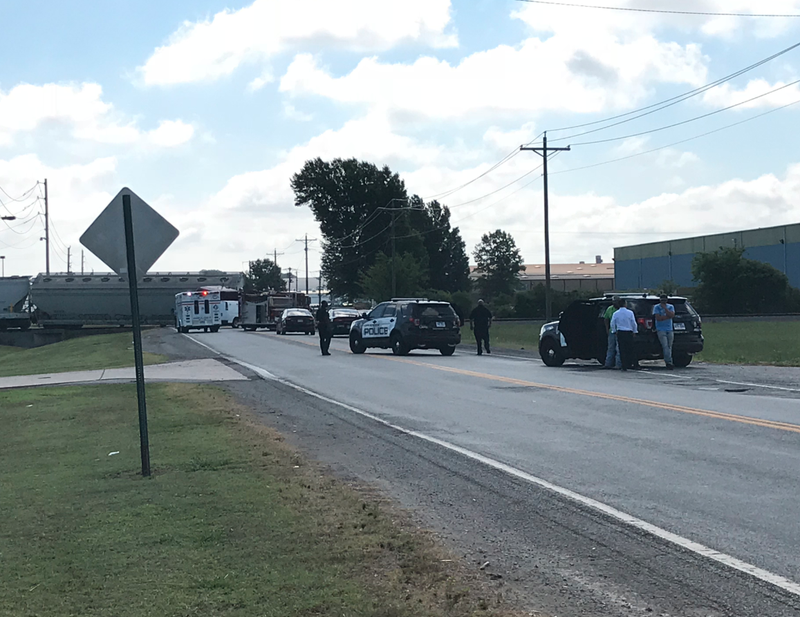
{"x":677,"y":143}
{"x":673,"y":100}
{"x":670,"y":126}
{"x":526,"y":174}
{"x":21,"y":197}
{"x":664,"y":11}
{"x":503,"y":161}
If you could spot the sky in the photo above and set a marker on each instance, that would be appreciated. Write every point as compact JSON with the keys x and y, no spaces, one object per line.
{"x":205,"y":109}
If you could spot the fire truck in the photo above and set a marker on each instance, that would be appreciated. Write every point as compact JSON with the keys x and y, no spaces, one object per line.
{"x":262,"y":310}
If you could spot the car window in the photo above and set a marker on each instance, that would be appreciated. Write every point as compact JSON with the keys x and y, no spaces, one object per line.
{"x":390,"y":310}
{"x":433,"y":310}
{"x":377,"y":312}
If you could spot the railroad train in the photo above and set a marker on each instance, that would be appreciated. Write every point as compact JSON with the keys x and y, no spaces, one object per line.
{"x":74,"y":300}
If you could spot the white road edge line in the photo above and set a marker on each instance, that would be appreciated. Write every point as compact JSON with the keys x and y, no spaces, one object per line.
{"x":757,"y":385}
{"x":690,"y":545}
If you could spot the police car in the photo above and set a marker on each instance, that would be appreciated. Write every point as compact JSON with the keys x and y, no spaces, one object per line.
{"x":403,"y":324}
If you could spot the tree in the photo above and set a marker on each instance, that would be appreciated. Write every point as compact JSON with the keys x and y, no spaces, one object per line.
{"x":345,"y":196}
{"x":731,"y":284}
{"x":410,"y":277}
{"x":264,"y":275}
{"x":499,"y":262}
{"x":360,"y":208}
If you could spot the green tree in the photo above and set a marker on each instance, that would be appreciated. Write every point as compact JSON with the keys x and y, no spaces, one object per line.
{"x":499,"y":262}
{"x":731,"y":284}
{"x":410,"y":277}
{"x":360,"y":208}
{"x":264,"y":275}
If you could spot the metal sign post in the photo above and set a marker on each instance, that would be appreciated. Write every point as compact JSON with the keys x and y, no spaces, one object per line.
{"x":144,"y":440}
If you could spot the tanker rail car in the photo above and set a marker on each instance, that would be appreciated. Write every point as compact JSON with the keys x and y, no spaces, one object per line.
{"x":73,"y":300}
{"x":14,"y":305}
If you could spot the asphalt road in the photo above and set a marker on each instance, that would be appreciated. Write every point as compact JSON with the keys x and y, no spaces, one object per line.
{"x":637,"y":461}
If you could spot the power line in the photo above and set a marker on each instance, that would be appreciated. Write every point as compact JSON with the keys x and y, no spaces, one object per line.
{"x":682,"y":141}
{"x":655,"y":107}
{"x":525,"y":175}
{"x":502,"y":161}
{"x":21,"y":197}
{"x":665,"y":11}
{"x":670,"y":126}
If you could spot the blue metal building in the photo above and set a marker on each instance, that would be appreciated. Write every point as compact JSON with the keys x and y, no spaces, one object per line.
{"x":646,"y":266}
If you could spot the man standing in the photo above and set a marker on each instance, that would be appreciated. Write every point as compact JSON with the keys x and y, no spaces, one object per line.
{"x":324,"y":328}
{"x":663,"y":314}
{"x":623,"y":322}
{"x":612,"y":349}
{"x":480,"y":320}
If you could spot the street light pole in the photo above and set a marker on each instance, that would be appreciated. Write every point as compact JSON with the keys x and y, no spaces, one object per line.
{"x":3,"y":261}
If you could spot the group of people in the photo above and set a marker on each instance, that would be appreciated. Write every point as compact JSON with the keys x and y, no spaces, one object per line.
{"x":620,"y":326}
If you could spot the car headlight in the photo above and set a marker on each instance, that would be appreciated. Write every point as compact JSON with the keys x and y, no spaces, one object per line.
{"x":546,"y":328}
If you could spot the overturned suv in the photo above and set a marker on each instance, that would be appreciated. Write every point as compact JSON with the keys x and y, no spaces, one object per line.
{"x":581,"y":332}
{"x":404,"y":324}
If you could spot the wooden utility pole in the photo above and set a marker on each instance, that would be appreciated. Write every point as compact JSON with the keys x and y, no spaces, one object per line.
{"x":46,"y":230}
{"x":543,"y":152}
{"x":306,"y":240}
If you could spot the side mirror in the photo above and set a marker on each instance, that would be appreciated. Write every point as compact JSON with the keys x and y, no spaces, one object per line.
{"x":364,"y":316}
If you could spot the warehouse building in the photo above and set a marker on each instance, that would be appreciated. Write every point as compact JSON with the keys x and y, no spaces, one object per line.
{"x":646,"y":266}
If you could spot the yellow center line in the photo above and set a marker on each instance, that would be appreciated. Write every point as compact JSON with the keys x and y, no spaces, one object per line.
{"x":718,"y":415}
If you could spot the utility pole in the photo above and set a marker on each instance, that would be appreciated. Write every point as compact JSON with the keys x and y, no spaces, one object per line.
{"x":275,"y":256}
{"x":46,"y":230}
{"x":290,"y":279}
{"x":83,"y":262}
{"x":392,"y":210}
{"x":306,"y":240}
{"x":543,"y":152}
{"x":394,"y":274}
{"x":69,"y":262}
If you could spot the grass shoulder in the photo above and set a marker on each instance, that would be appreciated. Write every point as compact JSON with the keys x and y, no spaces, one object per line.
{"x":751,"y":342}
{"x":233,"y":521}
{"x":77,"y":354}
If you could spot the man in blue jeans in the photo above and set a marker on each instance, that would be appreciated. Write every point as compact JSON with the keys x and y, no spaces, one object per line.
{"x":663,"y":314}
{"x":612,"y":348}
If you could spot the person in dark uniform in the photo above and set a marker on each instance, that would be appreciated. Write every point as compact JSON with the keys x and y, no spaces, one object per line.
{"x":324,"y":328}
{"x":480,"y":319}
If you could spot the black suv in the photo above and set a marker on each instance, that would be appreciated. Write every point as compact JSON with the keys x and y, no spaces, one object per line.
{"x":581,"y":333}
{"x":404,"y":324}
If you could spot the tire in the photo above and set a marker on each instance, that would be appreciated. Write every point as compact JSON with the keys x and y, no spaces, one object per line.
{"x":681,"y":360}
{"x":550,"y":353}
{"x":215,"y":328}
{"x":357,"y":345}
{"x":235,"y":322}
{"x":447,"y":350}
{"x":312,"y":333}
{"x":399,"y":348}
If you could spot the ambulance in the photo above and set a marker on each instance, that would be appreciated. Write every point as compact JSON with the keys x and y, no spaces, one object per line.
{"x":198,"y":309}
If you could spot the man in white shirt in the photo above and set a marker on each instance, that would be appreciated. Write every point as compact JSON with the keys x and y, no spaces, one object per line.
{"x":623,"y":323}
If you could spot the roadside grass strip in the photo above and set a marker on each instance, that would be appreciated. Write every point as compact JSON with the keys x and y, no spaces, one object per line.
{"x":77,"y":354}
{"x":508,"y":335}
{"x":233,"y":521}
{"x":753,"y":342}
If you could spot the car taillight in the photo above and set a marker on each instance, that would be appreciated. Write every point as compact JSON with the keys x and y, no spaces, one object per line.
{"x":646,"y":323}
{"x":414,"y":321}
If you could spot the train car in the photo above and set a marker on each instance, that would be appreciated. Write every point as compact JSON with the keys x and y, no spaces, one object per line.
{"x":197,"y":310}
{"x":73,"y":300}
{"x":14,"y":305}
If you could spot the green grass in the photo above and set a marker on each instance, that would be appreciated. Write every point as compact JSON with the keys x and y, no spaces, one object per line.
{"x":752,"y":342}
{"x":510,"y":335}
{"x":77,"y":354}
{"x":232,"y":523}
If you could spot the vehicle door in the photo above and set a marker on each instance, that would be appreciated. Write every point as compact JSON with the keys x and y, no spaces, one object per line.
{"x":374,"y":331}
{"x":389,"y":319}
{"x":579,"y":325}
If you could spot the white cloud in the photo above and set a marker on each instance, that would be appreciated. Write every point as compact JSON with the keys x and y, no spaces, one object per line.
{"x":82,"y":110}
{"x":582,"y":75}
{"x":726,"y":94}
{"x":77,"y":194}
{"x":291,"y":112}
{"x":170,"y":133}
{"x":208,"y":50}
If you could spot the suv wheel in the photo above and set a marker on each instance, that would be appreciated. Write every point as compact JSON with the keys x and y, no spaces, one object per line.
{"x":681,"y":360}
{"x":550,"y":353}
{"x":357,"y":344}
{"x":235,"y":323}
{"x":399,"y":348}
{"x":447,"y":350}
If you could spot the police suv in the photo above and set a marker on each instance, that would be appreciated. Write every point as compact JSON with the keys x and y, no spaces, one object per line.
{"x":403,"y":324}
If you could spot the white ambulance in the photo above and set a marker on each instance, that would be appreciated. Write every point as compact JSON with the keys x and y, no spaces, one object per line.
{"x":197,"y":309}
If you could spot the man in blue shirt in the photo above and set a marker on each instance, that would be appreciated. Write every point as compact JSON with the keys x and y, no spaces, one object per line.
{"x":663,"y":314}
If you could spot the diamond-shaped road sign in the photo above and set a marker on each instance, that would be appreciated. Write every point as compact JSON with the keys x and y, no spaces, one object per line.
{"x":152,"y":234}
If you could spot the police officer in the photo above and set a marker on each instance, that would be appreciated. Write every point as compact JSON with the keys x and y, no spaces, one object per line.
{"x":479,"y":321}
{"x":324,"y":328}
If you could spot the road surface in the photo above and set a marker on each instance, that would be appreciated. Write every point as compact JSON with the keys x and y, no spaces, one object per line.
{"x":627,"y":493}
